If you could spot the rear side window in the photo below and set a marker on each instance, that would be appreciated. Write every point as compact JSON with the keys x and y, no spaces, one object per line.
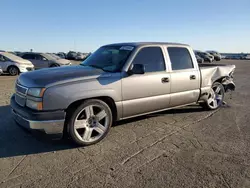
{"x":180,"y":58}
{"x":38,"y":57}
{"x":151,"y":58}
{"x":28,"y":56}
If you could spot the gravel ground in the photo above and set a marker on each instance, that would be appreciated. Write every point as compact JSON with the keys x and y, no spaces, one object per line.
{"x":186,"y":147}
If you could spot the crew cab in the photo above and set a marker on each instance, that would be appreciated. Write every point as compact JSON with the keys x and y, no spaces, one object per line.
{"x":116,"y":82}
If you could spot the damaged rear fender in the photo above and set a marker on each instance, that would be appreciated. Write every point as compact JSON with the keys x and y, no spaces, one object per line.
{"x":228,"y":84}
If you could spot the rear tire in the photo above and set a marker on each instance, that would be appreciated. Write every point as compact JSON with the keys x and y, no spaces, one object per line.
{"x":90,"y":122}
{"x":13,"y":71}
{"x":215,"y":97}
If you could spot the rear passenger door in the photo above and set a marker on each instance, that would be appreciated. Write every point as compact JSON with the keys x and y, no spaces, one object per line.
{"x":41,"y":61}
{"x":143,"y":93}
{"x":185,"y":77}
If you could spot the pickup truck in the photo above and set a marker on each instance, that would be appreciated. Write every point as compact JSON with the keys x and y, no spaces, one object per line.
{"x":116,"y":82}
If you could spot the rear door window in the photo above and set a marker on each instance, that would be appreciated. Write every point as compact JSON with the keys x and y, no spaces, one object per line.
{"x":180,"y":58}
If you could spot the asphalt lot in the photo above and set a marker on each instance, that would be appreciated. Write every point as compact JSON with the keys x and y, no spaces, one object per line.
{"x":186,"y":147}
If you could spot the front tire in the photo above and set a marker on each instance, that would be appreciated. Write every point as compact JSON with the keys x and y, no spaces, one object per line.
{"x":13,"y":71}
{"x":90,"y":122}
{"x":54,"y":65}
{"x":215,"y":97}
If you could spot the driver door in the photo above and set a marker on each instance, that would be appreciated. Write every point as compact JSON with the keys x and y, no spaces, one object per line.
{"x":148,"y":92}
{"x":40,"y":61}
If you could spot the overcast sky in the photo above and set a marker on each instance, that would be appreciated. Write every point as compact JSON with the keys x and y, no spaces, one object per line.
{"x":84,"y":25}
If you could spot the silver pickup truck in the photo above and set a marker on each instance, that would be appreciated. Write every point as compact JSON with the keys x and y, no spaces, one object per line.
{"x":116,"y":82}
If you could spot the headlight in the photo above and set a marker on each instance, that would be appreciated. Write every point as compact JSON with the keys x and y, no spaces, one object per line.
{"x":34,"y":104}
{"x":36,"y":92}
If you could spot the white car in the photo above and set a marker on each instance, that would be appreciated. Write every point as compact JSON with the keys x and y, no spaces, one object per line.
{"x":13,"y":64}
{"x":247,"y":57}
{"x":45,"y":60}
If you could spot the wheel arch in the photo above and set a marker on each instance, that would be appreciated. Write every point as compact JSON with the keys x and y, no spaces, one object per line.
{"x":108,"y":100}
{"x":8,"y":68}
{"x":12,"y":66}
{"x":227,"y":83}
{"x":219,"y":79}
{"x":54,"y":65}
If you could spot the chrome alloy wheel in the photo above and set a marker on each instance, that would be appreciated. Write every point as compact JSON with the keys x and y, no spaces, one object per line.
{"x":91,"y":123}
{"x":215,"y":97}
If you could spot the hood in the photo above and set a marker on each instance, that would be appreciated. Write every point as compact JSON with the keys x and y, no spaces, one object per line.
{"x":62,"y":61}
{"x":23,"y":62}
{"x":59,"y":75}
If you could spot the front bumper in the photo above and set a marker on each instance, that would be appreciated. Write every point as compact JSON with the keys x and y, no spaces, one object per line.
{"x":26,"y":69}
{"x":49,"y":122}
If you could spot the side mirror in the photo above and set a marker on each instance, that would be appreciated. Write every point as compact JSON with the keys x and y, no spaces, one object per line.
{"x":44,"y":59}
{"x":137,"y":69}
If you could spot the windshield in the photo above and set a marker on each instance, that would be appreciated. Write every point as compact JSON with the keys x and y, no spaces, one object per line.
{"x":55,"y":56}
{"x":11,"y":56}
{"x":49,"y":56}
{"x":109,"y":58}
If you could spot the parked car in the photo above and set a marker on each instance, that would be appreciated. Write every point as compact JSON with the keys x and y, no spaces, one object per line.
{"x":116,"y":82}
{"x":217,"y":56}
{"x":237,"y":57}
{"x":62,"y":55}
{"x":210,"y":55}
{"x":223,"y":56}
{"x":199,"y":59}
{"x":45,"y":60}
{"x":18,"y":53}
{"x":87,"y":55}
{"x":71,"y":55}
{"x":80,"y":56}
{"x":13,"y":64}
{"x":247,"y":57}
{"x":205,"y":56}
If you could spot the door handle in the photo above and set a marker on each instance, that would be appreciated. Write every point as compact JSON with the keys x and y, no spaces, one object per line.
{"x":165,"y":80}
{"x":192,"y":77}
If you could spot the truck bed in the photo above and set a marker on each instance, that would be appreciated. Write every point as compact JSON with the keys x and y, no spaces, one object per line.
{"x":212,"y":72}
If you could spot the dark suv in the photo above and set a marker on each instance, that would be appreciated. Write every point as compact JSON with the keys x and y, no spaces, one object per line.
{"x":217,"y":56}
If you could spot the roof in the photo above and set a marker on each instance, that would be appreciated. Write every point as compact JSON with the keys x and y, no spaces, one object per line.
{"x":46,"y":55}
{"x":138,"y":44}
{"x":32,"y":53}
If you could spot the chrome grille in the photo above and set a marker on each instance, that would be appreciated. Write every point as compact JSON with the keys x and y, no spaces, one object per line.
{"x":20,"y":89}
{"x":21,"y":100}
{"x":20,"y":95}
